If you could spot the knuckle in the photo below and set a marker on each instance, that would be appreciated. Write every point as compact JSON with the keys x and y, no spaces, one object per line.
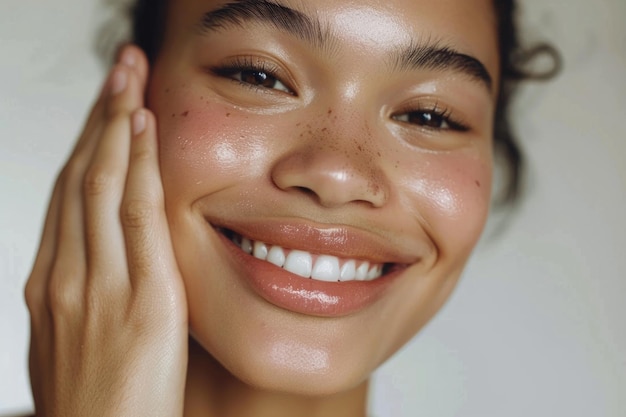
{"x":33,"y":296}
{"x":137,"y":213}
{"x":143,"y":154}
{"x":97,"y":181}
{"x":63,"y":299}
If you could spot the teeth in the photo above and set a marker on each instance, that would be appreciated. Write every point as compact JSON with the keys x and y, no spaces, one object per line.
{"x":326,"y":268}
{"x":362,"y":270}
{"x":246,"y":245}
{"x":276,"y":256}
{"x":373,"y":273}
{"x":299,"y":263}
{"x":260,"y":250}
{"x":348,"y":271}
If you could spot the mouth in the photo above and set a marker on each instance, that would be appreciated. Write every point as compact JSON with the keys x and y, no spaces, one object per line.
{"x":317,"y":276}
{"x":316,"y":266}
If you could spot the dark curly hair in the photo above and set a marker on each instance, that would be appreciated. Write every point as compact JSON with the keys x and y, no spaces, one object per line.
{"x":147,"y":28}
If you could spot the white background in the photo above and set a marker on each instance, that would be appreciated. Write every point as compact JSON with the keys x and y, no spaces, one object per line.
{"x":537,"y":326}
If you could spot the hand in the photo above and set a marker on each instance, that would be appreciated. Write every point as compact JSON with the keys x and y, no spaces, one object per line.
{"x":107,"y":303}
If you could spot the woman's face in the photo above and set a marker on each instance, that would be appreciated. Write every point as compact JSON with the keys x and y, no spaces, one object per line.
{"x":351,"y":140}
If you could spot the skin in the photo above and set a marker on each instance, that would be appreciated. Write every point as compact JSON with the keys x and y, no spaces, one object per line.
{"x":130,"y":260}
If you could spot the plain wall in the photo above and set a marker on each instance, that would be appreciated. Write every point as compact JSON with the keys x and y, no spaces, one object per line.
{"x":537,"y":325}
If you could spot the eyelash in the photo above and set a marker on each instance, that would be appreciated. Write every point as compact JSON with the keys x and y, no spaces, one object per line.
{"x":244,"y":64}
{"x":433,"y":113}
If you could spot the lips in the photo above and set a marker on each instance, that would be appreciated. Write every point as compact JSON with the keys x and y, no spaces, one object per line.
{"x":321,"y":282}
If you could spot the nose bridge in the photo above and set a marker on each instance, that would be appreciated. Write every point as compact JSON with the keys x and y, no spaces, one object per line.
{"x":336,"y":159}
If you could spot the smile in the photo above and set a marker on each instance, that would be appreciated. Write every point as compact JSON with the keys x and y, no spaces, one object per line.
{"x":318,"y":267}
{"x":330,"y":272}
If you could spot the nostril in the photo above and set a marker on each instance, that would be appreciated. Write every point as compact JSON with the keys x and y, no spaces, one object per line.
{"x":310,"y":193}
{"x":305,"y":190}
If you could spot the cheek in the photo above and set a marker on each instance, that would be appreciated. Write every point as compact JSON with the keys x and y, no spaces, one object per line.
{"x":205,"y":146}
{"x":452,"y":194}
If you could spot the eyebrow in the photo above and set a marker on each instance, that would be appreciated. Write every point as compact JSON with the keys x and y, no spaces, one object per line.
{"x":415,"y":56}
{"x":443,"y":58}
{"x":277,"y":16}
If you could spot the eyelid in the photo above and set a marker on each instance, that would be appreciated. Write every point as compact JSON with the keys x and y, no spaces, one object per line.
{"x":240,"y":63}
{"x":457,"y":124}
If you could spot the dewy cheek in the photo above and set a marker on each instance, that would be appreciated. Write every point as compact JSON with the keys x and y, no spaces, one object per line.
{"x":201,"y":141}
{"x":442,"y":198}
{"x":453,"y":193}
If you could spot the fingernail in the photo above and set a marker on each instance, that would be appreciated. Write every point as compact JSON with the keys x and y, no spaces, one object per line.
{"x":138,"y":122}
{"x":128,"y":58}
{"x":119,"y":79}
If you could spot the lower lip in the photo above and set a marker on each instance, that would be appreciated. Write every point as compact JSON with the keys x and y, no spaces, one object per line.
{"x":305,"y":295}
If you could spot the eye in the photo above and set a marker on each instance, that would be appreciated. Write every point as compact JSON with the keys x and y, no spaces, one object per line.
{"x":253,"y":73}
{"x":259,"y":78}
{"x":433,"y":118}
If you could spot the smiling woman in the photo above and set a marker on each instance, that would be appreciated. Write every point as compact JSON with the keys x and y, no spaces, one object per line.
{"x":295,"y":186}
{"x":337,"y":171}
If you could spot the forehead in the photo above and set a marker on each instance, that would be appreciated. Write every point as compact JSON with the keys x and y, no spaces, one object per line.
{"x":369,"y":25}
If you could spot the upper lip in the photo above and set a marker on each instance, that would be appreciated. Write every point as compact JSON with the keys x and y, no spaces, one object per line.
{"x":337,"y":240}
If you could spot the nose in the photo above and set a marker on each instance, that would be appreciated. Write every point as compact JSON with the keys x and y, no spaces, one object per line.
{"x":333,"y":171}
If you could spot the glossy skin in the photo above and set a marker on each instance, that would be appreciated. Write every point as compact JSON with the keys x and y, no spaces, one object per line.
{"x":339,"y":151}
{"x":327,"y":154}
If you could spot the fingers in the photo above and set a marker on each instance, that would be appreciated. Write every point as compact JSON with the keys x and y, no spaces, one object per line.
{"x":149,"y":250}
{"x":133,"y":57}
{"x":60,"y":267}
{"x":105,"y":178}
{"x":130,"y":57}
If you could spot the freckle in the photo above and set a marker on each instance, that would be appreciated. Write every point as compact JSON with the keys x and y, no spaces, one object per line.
{"x":378,"y":153}
{"x":325,"y":129}
{"x":185,"y":113}
{"x":201,"y":97}
{"x":298,"y":124}
{"x":330,"y":111}
{"x":478,"y":183}
{"x":360,"y":148}
{"x":167,"y":90}
{"x":227,"y":114}
{"x":173,"y":114}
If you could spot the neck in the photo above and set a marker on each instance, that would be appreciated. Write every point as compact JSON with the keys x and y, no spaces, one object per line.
{"x":212,"y":391}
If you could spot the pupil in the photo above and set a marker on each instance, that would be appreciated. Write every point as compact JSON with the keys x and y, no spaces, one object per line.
{"x":428,"y":119}
{"x":257,"y":78}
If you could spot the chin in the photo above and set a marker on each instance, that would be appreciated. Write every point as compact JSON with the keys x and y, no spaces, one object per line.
{"x":292,"y":368}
